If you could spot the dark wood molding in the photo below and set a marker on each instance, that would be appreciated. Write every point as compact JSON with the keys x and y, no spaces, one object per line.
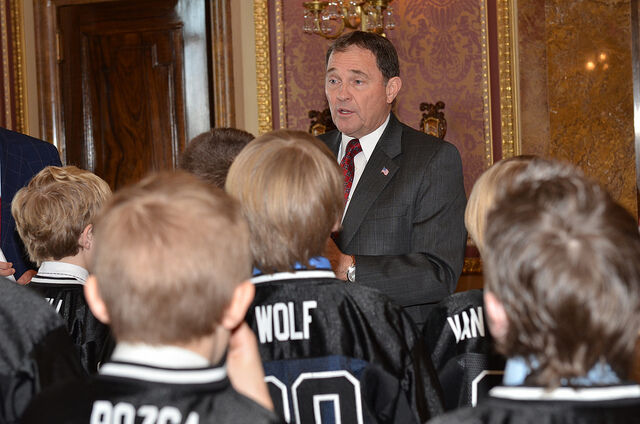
{"x":222,"y":63}
{"x":48,"y":78}
{"x":47,"y":60}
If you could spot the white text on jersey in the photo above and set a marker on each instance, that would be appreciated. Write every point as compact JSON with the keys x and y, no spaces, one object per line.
{"x":279,"y":320}
{"x":57,"y":306}
{"x":104,"y":412}
{"x":470,"y":327}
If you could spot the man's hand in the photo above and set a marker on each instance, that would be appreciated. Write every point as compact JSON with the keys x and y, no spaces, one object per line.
{"x":26,"y":277}
{"x":339,"y":261}
{"x":6,"y":269}
{"x":244,"y":366}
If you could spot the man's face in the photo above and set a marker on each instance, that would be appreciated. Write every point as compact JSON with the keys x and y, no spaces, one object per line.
{"x":359,"y":99}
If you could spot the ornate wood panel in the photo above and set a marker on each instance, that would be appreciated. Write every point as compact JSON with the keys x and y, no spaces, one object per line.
{"x":123,"y":85}
{"x":122,"y":90}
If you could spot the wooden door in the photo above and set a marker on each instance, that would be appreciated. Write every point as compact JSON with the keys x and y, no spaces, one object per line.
{"x":131,"y":82}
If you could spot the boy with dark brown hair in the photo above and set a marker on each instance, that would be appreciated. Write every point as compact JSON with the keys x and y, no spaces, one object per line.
{"x":562,"y":295}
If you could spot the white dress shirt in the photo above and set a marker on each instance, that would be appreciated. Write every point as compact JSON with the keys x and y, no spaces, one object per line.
{"x":368,"y":143}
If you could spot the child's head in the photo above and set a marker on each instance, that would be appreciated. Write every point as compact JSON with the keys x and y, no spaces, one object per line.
{"x":562,"y":274}
{"x":483,"y":194}
{"x":169,"y":254}
{"x":55,"y":211}
{"x":291,"y":191}
{"x":210,"y":154}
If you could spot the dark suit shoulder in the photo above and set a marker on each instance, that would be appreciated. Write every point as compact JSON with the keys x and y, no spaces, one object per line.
{"x":30,"y":148}
{"x":414,"y":139}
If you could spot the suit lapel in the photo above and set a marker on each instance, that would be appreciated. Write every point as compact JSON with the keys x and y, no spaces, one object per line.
{"x":373,"y":180}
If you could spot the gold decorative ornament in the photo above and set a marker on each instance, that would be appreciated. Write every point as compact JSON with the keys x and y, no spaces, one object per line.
{"x":263,"y":72}
{"x":508,"y":66}
{"x":330,"y":18}
{"x":486,"y":92}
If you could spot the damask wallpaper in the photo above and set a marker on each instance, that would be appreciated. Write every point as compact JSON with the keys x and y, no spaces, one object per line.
{"x":550,"y":77}
{"x":442,"y":45}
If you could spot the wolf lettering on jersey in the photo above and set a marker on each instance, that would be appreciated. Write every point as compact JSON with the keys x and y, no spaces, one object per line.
{"x":104,"y":412}
{"x":58,"y":305}
{"x":279,"y":320}
{"x":470,"y":327}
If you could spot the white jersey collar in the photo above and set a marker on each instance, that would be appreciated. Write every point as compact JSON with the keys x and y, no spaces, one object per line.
{"x":161,"y":364}
{"x":52,"y":270}
{"x":587,"y":394}
{"x":299,"y":274}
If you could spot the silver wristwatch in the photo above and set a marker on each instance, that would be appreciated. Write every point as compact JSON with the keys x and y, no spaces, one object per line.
{"x":351,"y":272}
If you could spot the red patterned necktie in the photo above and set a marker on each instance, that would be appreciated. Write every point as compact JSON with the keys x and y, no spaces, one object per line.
{"x":348,"y":168}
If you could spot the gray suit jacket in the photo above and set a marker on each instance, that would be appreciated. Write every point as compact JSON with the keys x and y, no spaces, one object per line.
{"x":405,"y":227}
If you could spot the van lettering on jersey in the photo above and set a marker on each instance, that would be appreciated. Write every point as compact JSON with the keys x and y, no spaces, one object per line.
{"x":279,"y":321}
{"x":104,"y":412}
{"x":470,"y":327}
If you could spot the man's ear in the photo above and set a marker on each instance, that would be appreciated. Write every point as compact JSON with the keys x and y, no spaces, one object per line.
{"x":498,"y":322}
{"x":86,"y":237}
{"x":94,"y":300}
{"x":235,"y":312}
{"x":393,"y":88}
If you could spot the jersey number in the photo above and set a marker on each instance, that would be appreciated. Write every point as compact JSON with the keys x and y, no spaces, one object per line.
{"x":319,"y":397}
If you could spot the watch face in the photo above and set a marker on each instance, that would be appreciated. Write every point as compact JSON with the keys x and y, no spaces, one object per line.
{"x":351,"y":273}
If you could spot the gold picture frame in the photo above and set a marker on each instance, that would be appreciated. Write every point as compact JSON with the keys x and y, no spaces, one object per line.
{"x":13,"y":65}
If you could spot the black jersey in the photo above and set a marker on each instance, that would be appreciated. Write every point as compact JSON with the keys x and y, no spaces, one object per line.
{"x":35,"y":351}
{"x":462,"y":350}
{"x":535,"y":405}
{"x":331,"y":348}
{"x":133,"y":393}
{"x":62,"y":286}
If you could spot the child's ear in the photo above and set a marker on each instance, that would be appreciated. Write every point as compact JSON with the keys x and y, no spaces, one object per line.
{"x":498,"y":322}
{"x":94,"y":300}
{"x":86,"y":237}
{"x":242,"y":297}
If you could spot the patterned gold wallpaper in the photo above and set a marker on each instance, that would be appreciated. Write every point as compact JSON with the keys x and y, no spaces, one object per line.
{"x":441,"y":50}
{"x":555,"y":81}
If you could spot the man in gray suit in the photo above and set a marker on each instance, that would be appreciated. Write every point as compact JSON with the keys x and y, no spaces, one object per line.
{"x":403,"y":228}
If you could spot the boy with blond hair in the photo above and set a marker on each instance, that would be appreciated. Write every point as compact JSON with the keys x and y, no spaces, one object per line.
{"x":170,"y":275}
{"x":54,"y":216}
{"x":333,"y":351}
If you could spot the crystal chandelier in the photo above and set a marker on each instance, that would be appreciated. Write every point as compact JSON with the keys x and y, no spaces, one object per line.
{"x":329,"y":18}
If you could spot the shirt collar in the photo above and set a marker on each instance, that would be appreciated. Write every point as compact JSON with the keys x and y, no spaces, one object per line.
{"x":158,"y":356}
{"x":517,"y":369}
{"x":54,"y":269}
{"x":367,"y":142}
{"x":321,"y":269}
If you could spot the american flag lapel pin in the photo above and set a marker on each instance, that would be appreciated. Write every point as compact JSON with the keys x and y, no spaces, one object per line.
{"x":384,"y":171}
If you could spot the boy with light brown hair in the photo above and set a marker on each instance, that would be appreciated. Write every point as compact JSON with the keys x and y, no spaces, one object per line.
{"x":54,"y":216}
{"x":332,"y":351}
{"x":170,"y":274}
